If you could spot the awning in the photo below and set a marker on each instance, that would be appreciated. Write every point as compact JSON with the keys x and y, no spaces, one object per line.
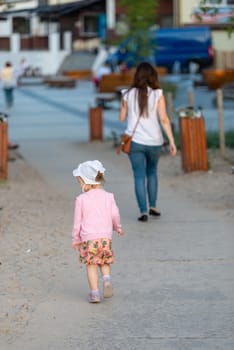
{"x":52,"y":11}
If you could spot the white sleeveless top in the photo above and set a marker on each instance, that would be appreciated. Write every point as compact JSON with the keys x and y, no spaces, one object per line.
{"x":148,"y":131}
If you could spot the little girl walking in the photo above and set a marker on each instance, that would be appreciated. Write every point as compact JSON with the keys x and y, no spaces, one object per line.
{"x":96,"y":215}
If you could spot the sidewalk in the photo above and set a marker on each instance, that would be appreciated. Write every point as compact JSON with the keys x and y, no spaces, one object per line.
{"x":173,"y":277}
{"x":45,"y":121}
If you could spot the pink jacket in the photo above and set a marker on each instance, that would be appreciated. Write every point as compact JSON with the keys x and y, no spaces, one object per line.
{"x":96,"y":216}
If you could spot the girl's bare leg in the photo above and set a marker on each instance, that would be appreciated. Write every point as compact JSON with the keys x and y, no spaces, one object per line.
{"x":107,"y":285}
{"x":105,"y":270}
{"x":92,"y":275}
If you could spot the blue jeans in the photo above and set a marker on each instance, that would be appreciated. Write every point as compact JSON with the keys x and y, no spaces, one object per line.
{"x":144,"y":161}
{"x":8,"y":96}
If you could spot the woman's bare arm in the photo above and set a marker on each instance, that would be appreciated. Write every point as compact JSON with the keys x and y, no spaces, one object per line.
{"x":123,"y":111}
{"x":166,"y":124}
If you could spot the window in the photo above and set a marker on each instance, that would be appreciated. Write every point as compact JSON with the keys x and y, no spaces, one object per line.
{"x":21,"y":25}
{"x":213,"y":2}
{"x":90,"y":25}
{"x":222,"y":3}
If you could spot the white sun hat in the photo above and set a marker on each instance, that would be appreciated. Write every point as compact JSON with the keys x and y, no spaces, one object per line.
{"x":88,"y":171}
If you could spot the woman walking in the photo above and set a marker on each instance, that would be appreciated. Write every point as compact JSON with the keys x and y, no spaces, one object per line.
{"x":143,"y":105}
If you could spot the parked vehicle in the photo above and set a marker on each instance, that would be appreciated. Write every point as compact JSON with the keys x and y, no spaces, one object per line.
{"x":170,"y":47}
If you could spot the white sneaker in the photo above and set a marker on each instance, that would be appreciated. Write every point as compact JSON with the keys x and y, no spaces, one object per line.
{"x":94,"y":298}
{"x":107,"y":289}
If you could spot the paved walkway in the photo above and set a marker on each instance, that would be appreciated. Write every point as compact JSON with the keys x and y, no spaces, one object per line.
{"x":174,"y":277}
{"x":46,"y":121}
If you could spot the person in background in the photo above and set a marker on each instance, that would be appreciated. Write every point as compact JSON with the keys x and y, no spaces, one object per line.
{"x":23,"y":65}
{"x":143,"y":105}
{"x":122,"y":67}
{"x":8,"y":83}
{"x":96,"y":215}
{"x":103,"y":70}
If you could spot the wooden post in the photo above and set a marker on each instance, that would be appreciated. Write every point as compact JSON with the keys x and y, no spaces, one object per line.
{"x":170,"y":105}
{"x":191,"y":98}
{"x":95,"y":124}
{"x":221,"y":122}
{"x":3,"y":150}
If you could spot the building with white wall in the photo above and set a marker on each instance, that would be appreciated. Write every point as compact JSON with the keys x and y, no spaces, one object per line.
{"x":223,"y":43}
{"x":91,"y":22}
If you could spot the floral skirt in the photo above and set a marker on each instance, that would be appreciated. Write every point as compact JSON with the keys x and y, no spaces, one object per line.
{"x":96,"y":252}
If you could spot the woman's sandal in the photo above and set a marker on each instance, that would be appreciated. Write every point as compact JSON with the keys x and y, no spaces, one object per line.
{"x":154,"y":212}
{"x":143,"y":218}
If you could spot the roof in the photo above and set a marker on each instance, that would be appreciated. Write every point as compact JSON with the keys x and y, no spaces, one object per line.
{"x":53,"y":11}
{"x":61,"y":10}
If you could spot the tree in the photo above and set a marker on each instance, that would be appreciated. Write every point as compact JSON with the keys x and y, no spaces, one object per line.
{"x":140,"y":16}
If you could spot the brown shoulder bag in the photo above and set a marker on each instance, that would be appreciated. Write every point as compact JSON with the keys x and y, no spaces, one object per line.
{"x":126,"y":140}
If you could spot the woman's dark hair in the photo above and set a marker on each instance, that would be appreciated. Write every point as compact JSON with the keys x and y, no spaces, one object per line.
{"x":145,"y":76}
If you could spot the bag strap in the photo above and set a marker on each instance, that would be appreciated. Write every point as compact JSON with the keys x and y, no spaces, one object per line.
{"x":118,"y":150}
{"x":135,"y":126}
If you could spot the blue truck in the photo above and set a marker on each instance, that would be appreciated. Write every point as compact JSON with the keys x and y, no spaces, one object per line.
{"x":170,"y":46}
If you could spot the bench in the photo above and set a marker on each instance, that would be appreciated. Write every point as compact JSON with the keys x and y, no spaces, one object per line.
{"x":78,"y":74}
{"x":108,"y":87}
{"x":102,"y":99}
{"x":106,"y":91}
{"x":59,"y":81}
{"x":216,"y":78}
{"x":110,"y":82}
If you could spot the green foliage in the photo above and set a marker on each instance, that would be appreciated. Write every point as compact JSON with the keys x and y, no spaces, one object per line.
{"x":168,"y":87}
{"x":230,"y":27}
{"x":3,"y":182}
{"x":140,"y":45}
{"x":204,"y":8}
{"x":140,"y":16}
{"x":212,"y":139}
